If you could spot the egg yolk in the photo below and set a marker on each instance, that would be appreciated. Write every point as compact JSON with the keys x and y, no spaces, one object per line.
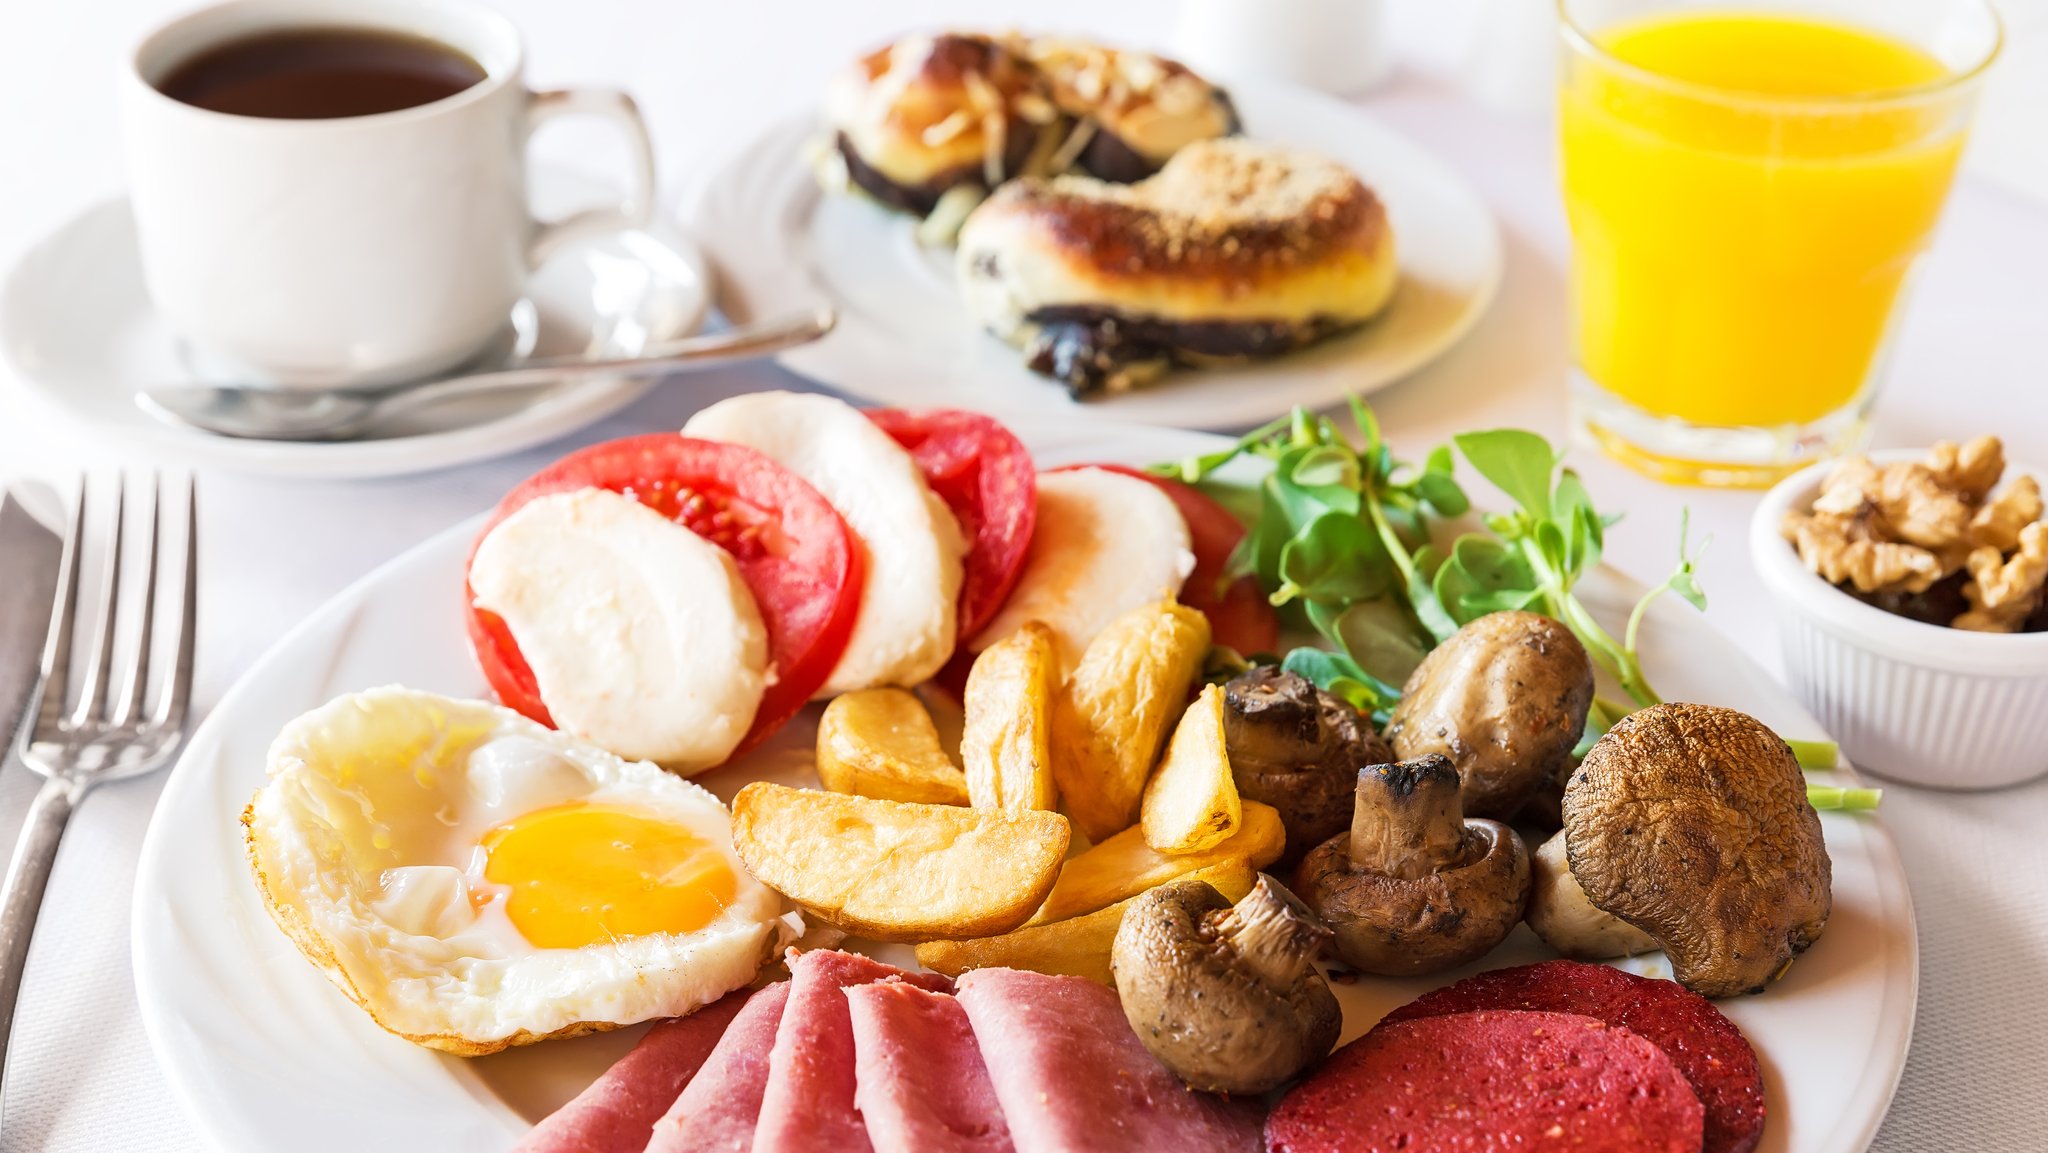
{"x":581,"y":874}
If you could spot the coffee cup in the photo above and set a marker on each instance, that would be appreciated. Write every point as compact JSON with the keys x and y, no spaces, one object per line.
{"x":332,"y":193}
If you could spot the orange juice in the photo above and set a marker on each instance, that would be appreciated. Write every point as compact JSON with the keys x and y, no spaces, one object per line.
{"x":1747,"y":192}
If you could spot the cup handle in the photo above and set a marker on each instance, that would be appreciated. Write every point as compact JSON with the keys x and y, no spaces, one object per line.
{"x":638,"y":205}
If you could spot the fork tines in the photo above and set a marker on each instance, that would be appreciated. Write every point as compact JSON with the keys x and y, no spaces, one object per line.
{"x":103,"y":708}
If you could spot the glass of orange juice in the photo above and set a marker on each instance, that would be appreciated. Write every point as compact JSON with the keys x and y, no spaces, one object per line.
{"x":1750,"y":184}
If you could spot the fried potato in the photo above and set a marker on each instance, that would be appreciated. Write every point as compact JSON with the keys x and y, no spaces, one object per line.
{"x":1191,"y":803}
{"x":1124,"y":865}
{"x":896,"y":871}
{"x":882,"y":743}
{"x":1078,"y":946}
{"x":1005,"y":736}
{"x":1111,"y":717}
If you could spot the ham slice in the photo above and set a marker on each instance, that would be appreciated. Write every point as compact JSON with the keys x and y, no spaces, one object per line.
{"x":717,"y":1111}
{"x":808,"y":1104}
{"x":616,"y":1114}
{"x":1073,"y":1078}
{"x":919,"y":1081}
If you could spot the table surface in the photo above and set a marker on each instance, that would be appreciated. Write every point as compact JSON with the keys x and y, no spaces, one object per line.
{"x":82,"y":1074}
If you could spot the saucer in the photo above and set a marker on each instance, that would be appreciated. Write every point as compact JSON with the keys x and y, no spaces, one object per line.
{"x":83,"y":338}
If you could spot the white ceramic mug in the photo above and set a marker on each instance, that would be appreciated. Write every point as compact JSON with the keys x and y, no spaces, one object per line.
{"x":355,"y":250}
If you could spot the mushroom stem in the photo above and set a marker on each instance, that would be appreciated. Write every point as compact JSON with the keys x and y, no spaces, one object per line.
{"x":1274,"y":936}
{"x":1407,"y":820}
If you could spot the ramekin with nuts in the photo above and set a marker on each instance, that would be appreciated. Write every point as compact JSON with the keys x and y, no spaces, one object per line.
{"x":1862,"y":556}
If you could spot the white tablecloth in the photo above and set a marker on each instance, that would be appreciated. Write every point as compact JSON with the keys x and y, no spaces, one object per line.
{"x":82,"y":1075}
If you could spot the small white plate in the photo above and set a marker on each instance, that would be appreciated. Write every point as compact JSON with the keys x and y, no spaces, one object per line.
{"x":266,"y":1055}
{"x":83,"y":338}
{"x":905,"y":339}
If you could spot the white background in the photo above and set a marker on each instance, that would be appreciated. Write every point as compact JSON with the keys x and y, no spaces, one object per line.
{"x":1970,"y":360}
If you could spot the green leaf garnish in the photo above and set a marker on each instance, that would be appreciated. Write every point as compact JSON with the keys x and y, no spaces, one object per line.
{"x":1518,"y":462}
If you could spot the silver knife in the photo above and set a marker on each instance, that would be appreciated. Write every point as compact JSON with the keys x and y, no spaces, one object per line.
{"x":29,"y":556}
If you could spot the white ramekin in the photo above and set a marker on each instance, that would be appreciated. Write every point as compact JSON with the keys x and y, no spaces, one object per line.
{"x":1917,"y":703}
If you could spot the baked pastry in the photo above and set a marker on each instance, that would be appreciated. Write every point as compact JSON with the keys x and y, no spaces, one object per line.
{"x":1128,"y":112}
{"x":1235,"y":251}
{"x":928,"y":114}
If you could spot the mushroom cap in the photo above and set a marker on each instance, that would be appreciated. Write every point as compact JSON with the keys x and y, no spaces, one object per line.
{"x":1691,"y":823}
{"x":1210,"y":1018}
{"x":1505,"y":699}
{"x":1297,"y":748}
{"x":1404,"y":928}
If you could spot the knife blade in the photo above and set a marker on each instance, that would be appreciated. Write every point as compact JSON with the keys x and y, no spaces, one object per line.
{"x":30,"y":555}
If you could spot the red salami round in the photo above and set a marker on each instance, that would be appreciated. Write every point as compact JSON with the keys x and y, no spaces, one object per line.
{"x":985,"y":476}
{"x":1705,"y":1045}
{"x":1240,"y":616}
{"x":1491,"y":1082}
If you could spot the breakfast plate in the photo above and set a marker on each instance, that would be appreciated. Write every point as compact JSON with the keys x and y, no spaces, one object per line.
{"x":266,"y":1054}
{"x":78,"y":328}
{"x":905,"y":339}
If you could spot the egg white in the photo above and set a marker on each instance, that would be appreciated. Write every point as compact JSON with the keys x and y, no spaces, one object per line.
{"x":365,"y":843}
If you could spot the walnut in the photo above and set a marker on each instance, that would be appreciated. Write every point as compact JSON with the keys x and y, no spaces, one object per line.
{"x":1922,"y":510}
{"x":1999,"y":522}
{"x":1841,"y":551}
{"x":1851,"y":487}
{"x":1971,"y":470}
{"x":2004,"y":592}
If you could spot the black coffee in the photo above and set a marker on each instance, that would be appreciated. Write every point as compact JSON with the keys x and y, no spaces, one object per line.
{"x":320,"y":74}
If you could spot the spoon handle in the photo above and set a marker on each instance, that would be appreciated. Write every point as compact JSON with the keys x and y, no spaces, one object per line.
{"x":741,"y":343}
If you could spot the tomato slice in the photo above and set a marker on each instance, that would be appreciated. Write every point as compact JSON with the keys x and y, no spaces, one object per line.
{"x":1240,"y":617}
{"x":793,"y":549}
{"x":985,"y":475}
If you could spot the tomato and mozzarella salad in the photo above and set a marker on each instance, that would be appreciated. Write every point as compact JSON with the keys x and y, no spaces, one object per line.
{"x":676,"y":597}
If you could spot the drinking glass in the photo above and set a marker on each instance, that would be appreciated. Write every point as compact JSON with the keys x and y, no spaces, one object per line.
{"x":1749,"y":189}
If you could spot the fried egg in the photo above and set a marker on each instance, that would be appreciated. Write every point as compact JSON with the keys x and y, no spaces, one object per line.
{"x":475,"y":880}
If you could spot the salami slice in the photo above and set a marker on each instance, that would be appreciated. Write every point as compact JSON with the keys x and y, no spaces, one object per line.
{"x":1704,"y":1045}
{"x":1491,"y":1082}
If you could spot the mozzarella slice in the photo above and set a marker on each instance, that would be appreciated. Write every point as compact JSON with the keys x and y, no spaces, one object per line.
{"x":906,"y":626}
{"x":1105,"y":543}
{"x":641,"y":634}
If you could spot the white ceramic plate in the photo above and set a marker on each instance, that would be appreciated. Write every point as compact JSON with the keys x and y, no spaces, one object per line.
{"x":80,"y":332}
{"x":904,"y":338}
{"x":266,"y":1055}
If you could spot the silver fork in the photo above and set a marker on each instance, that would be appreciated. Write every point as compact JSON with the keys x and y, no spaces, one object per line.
{"x":109,"y":734}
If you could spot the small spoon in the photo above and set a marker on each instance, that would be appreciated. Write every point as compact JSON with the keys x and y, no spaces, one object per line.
{"x":257,"y":413}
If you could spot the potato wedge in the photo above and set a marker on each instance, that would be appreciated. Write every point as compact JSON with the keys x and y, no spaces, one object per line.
{"x":1111,"y":717}
{"x":1124,"y":865}
{"x":1078,"y":946}
{"x":895,"y":871}
{"x":882,"y":743}
{"x":1005,"y":736}
{"x":1191,"y":803}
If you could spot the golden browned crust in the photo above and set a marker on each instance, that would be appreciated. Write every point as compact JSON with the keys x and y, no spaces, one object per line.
{"x":316,"y":950}
{"x":928,"y":113}
{"x":1221,"y":210}
{"x":948,"y":78}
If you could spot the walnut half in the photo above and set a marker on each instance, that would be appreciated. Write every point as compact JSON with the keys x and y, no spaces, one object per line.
{"x":2003,"y":592}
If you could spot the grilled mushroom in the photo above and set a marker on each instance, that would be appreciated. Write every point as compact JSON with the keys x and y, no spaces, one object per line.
{"x":1227,"y":997}
{"x":1414,"y":887}
{"x":1297,"y":748}
{"x":1691,"y":823}
{"x":1505,"y":699}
